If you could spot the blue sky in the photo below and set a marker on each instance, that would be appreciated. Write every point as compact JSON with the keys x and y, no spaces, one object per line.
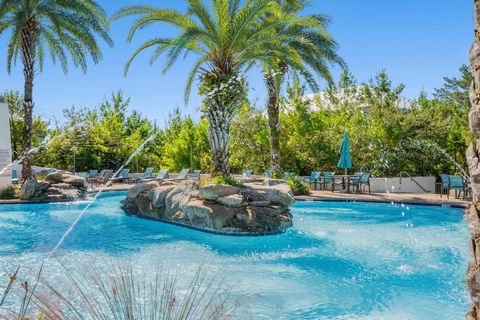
{"x":417,"y":42}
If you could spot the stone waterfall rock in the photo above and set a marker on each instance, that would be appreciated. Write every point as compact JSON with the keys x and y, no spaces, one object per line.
{"x":58,"y":186}
{"x":251,"y":209}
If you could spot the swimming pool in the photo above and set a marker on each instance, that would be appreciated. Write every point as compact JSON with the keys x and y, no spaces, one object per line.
{"x":339,"y":261}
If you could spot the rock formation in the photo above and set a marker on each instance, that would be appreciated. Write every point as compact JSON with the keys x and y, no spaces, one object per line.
{"x":58,"y":186}
{"x":472,"y":213}
{"x":251,"y":208}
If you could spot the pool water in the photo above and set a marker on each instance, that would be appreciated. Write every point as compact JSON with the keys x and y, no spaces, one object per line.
{"x":339,"y":261}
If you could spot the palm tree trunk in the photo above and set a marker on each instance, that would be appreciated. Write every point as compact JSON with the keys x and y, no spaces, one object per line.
{"x":219,"y":138}
{"x":29,"y":41}
{"x":273,"y":109}
{"x":473,"y":212}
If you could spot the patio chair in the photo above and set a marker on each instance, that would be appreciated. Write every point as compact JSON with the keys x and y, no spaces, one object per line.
{"x":14,"y":177}
{"x":444,"y":184}
{"x":314,"y":179}
{"x":354,"y":180}
{"x":456,"y":183}
{"x":361,"y":182}
{"x":328,"y":178}
{"x":247,"y":173}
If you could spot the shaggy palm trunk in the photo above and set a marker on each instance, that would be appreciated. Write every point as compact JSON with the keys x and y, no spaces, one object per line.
{"x":224,"y":94}
{"x":29,"y":40}
{"x":473,"y":212}
{"x":273,"y":109}
{"x":219,"y":138}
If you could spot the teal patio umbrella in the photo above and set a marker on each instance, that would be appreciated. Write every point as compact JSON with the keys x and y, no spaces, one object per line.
{"x":345,"y":161}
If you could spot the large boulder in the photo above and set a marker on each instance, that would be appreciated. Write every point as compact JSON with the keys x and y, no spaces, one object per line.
{"x":134,"y":191}
{"x":215,"y":191}
{"x":157,"y":195}
{"x":253,"y":208}
{"x":29,"y":188}
{"x":280,"y":194}
{"x":66,"y":178}
{"x":235,"y":200}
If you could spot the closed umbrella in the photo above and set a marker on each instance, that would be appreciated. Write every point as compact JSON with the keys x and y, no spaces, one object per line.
{"x":345,"y":161}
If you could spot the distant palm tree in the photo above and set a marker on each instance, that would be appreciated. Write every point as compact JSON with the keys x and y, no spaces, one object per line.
{"x":54,"y":27}
{"x":228,"y":38}
{"x":317,"y":52}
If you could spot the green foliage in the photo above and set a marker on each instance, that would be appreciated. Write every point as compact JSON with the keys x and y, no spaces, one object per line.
{"x":384,"y":139}
{"x":58,"y":27}
{"x":9,"y":192}
{"x":249,"y":141}
{"x":17,"y":128}
{"x":185,"y":144}
{"x":223,"y":180}
{"x":299,"y":188}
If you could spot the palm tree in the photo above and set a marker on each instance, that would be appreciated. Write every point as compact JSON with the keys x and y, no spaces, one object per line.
{"x":54,"y":27}
{"x":473,"y":158}
{"x":228,"y":38}
{"x":317,"y":51}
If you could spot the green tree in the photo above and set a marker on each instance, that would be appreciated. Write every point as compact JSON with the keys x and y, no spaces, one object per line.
{"x":39,"y":131}
{"x":311,"y":49}
{"x":58,"y":26}
{"x":228,"y":39}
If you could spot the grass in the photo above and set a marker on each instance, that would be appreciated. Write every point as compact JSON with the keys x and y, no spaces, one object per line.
{"x":118,"y":293}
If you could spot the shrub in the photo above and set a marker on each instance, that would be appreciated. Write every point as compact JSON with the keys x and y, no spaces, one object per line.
{"x":224,"y":180}
{"x":299,"y":188}
{"x":118,"y":292}
{"x":9,"y":193}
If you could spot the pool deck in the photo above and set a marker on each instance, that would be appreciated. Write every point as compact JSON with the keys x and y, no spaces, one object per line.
{"x":406,"y":198}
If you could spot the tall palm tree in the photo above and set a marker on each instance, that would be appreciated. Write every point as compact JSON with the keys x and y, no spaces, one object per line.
{"x":317,"y":51}
{"x":228,"y":39}
{"x":54,"y":27}
{"x":473,"y":158}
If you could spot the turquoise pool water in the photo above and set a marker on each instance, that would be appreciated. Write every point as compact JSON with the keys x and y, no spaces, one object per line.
{"x":340,"y":261}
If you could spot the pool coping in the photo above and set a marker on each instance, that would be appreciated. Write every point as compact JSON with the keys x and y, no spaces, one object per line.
{"x":412,"y":203}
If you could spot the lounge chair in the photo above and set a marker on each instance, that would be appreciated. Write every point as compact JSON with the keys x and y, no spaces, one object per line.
{"x":102,"y":178}
{"x":93,"y":173}
{"x":196,"y":174}
{"x":83,"y":174}
{"x":314,"y":179}
{"x":147,"y":175}
{"x":14,"y":177}
{"x":182,"y":175}
{"x":247,"y":173}
{"x":162,"y":174}
{"x":123,"y":176}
